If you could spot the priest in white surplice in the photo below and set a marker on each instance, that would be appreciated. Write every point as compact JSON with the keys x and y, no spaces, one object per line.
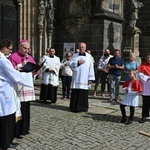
{"x":50,"y":77}
{"x":83,"y":75}
{"x":9,"y":77}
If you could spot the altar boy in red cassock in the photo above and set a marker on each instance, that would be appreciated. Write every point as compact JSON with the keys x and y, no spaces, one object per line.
{"x":132,"y":89}
{"x":144,"y":79}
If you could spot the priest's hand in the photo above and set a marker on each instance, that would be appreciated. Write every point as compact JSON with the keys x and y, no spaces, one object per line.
{"x":19,"y":69}
{"x":51,"y":70}
{"x":24,"y":62}
{"x":127,"y":90}
{"x":65,"y":64}
{"x":81,"y":61}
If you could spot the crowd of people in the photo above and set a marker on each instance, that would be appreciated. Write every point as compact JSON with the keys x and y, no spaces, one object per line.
{"x":77,"y":74}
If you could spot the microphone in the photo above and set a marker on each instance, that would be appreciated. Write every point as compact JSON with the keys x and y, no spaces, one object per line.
{"x":27,"y":56}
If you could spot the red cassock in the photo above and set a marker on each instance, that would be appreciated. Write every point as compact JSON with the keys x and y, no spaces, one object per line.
{"x":135,"y":85}
{"x":144,"y":68}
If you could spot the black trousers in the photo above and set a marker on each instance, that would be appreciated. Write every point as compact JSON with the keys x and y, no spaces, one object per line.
{"x":123,"y":111}
{"x":100,"y":78}
{"x":146,"y":106}
{"x":7,"y":130}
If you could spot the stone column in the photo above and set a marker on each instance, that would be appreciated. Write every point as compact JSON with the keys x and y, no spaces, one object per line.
{"x":133,"y":32}
{"x":20,"y":14}
{"x":135,"y":44}
{"x":24,"y":18}
{"x":33,"y":29}
{"x":28,"y":20}
{"x":41,"y":18}
{"x":50,"y":31}
{"x":50,"y":20}
{"x":135,"y":41}
{"x":132,"y":43}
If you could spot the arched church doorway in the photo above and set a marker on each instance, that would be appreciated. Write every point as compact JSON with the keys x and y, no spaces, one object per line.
{"x":9,"y":20}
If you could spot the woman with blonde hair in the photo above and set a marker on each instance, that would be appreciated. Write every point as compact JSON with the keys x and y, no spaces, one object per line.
{"x":66,"y":75}
{"x":130,"y":65}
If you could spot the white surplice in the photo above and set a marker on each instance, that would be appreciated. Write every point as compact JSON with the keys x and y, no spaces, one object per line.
{"x":131,"y":98}
{"x":145,"y":84}
{"x":8,"y":77}
{"x":51,"y":77}
{"x":81,"y":73}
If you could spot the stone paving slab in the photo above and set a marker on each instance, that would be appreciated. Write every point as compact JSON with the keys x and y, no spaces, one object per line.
{"x":54,"y":127}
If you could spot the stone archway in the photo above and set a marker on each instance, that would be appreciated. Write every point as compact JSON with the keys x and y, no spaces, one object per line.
{"x":9,"y":20}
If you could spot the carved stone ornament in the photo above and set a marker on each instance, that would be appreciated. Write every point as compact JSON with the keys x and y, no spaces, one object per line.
{"x":127,"y":51}
{"x":74,"y":13}
{"x":50,"y":18}
{"x":136,"y":31}
{"x":134,"y":16}
{"x":20,"y":2}
{"x":41,"y":16}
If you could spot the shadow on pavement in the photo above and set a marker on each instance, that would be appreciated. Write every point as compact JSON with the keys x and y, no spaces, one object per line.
{"x":103,"y":117}
{"x":106,"y":117}
{"x":49,"y":105}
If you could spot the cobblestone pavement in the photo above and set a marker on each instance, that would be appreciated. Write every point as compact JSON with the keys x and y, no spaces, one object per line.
{"x":54,"y":127}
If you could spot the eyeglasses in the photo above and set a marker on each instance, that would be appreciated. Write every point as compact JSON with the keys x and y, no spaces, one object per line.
{"x":25,"y":48}
{"x":10,"y":48}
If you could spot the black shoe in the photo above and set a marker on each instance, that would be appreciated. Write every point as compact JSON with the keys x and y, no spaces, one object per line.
{"x":123,"y":120}
{"x":52,"y":102}
{"x":117,"y":99}
{"x":3,"y":148}
{"x":128,"y":122}
{"x":68,"y":97}
{"x":85,"y":110}
{"x":18,"y":137}
{"x":45,"y":102}
{"x":63,"y":97}
{"x":143,"y":119}
{"x":28,"y":132}
{"x":13,"y":145}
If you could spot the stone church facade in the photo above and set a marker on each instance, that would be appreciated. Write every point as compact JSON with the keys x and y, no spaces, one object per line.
{"x":100,"y":24}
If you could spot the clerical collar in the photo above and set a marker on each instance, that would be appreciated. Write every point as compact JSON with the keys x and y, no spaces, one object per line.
{"x":82,"y":54}
{"x":51,"y":56}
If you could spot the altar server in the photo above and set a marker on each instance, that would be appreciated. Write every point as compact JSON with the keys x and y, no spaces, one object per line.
{"x":144,"y":78}
{"x":131,"y":88}
{"x":8,"y":78}
{"x":50,"y":77}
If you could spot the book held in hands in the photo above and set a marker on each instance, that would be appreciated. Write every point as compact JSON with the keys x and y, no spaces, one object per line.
{"x":31,"y":67}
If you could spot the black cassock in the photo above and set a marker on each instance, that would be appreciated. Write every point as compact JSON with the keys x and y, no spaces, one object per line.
{"x":79,"y":100}
{"x":6,"y":130}
{"x":48,"y":92}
